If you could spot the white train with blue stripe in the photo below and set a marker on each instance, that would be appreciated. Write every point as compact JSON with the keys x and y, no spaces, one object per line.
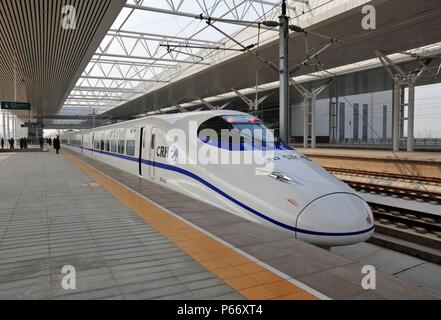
{"x":284,"y":190}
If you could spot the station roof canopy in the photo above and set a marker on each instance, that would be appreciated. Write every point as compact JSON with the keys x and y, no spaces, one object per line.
{"x":162,"y":53}
{"x":44,"y":48}
{"x":159,"y":54}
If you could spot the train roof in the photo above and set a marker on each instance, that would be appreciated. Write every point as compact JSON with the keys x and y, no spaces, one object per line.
{"x":171,"y":118}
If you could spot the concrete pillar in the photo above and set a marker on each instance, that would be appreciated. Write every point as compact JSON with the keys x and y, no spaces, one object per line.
{"x":306,"y":123}
{"x":396,"y":116}
{"x":3,"y":125}
{"x":402,"y":111}
{"x":14,"y":126}
{"x":19,"y":129}
{"x":8,"y":127}
{"x":18,"y":126}
{"x":411,"y":117}
{"x":313,"y":120}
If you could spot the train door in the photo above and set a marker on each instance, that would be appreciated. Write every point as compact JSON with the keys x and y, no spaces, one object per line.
{"x":152,"y":153}
{"x":141,"y":147}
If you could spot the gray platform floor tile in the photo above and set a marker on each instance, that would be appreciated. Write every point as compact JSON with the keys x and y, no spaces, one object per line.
{"x":51,"y":217}
{"x":413,"y":270}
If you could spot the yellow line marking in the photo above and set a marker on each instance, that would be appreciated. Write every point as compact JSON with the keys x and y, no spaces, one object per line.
{"x":249,"y":279}
{"x":4,"y":156}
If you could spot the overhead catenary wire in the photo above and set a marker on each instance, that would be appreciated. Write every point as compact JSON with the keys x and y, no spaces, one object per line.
{"x":190,"y":65}
{"x":246,"y":27}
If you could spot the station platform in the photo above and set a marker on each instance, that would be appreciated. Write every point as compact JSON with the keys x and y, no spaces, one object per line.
{"x":375,"y":154}
{"x":425,"y":164}
{"x":402,"y":203}
{"x":128,"y":238}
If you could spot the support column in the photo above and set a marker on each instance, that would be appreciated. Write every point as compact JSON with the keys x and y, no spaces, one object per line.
{"x":19,"y":133}
{"x":402,"y":110}
{"x":313,"y":119}
{"x":8,"y":127}
{"x":396,"y":116}
{"x":14,"y":126}
{"x":284,"y":75}
{"x":411,"y":118}
{"x":306,"y":123}
{"x":3,"y":125}
{"x":19,"y":129}
{"x":402,"y":79}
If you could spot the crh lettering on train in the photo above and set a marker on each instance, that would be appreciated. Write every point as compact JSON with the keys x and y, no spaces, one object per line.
{"x":162,"y":152}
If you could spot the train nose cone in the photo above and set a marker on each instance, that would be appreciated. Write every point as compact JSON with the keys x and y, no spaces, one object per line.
{"x":336,"y":220}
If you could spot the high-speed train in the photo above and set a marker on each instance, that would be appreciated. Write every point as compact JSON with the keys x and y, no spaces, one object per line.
{"x":277,"y":186}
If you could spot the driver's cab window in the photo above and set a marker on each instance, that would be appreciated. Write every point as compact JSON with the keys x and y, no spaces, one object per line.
{"x":212,"y":129}
{"x":235,"y":130}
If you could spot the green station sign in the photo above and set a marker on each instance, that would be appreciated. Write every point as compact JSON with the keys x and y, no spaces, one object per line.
{"x":15,"y":106}
{"x":33,"y":125}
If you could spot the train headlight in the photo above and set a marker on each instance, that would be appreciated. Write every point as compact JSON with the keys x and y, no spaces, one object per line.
{"x":282,"y":177}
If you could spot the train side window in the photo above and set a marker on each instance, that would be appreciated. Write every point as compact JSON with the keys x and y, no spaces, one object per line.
{"x":102,"y":145}
{"x":152,"y":143}
{"x":121,"y":146}
{"x":113,"y":146}
{"x":130,"y":148}
{"x":107,"y":145}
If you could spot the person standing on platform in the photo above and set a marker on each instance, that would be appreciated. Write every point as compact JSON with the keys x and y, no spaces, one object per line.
{"x":57,"y":146}
{"x":3,"y":143}
{"x":11,"y":144}
{"x":41,"y":143}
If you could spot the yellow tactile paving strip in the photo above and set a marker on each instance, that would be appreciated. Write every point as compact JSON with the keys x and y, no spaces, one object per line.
{"x":249,"y":279}
{"x":4,"y":156}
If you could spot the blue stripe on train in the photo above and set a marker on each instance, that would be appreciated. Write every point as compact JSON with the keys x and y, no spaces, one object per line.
{"x":225,"y":195}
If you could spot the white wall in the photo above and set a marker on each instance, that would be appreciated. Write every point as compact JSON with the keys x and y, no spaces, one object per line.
{"x":19,"y":131}
{"x":375,"y":101}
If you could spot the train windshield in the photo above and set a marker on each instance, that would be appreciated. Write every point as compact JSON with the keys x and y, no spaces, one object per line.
{"x":235,"y":130}
{"x":256,"y":131}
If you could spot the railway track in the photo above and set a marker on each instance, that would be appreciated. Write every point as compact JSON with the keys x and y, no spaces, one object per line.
{"x":405,"y":193}
{"x":414,"y":233}
{"x":385,"y":175}
{"x":425,"y":189}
